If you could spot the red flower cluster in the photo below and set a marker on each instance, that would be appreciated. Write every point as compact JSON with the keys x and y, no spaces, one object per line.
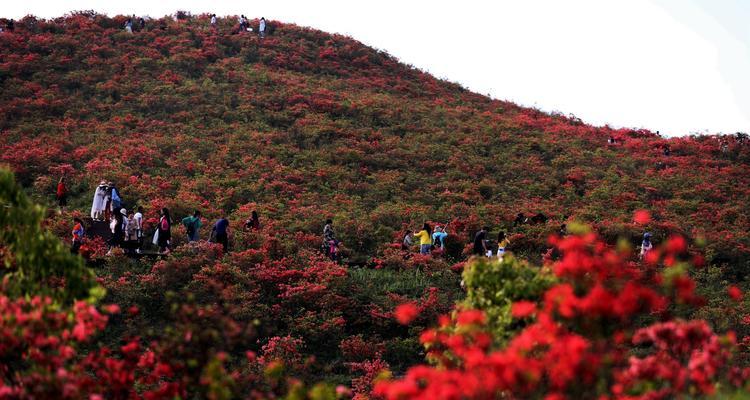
{"x":578,"y":344}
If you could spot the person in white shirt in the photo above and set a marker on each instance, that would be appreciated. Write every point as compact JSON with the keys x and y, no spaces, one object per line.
{"x":262,"y":27}
{"x":138,"y":218}
{"x":213,"y":20}
{"x":98,"y":205}
{"x":646,"y":245}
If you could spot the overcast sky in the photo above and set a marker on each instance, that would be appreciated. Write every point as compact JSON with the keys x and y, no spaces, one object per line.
{"x":676,"y":66}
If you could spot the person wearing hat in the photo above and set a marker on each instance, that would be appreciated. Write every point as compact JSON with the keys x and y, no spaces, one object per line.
{"x":99,"y":203}
{"x":646,"y":244}
{"x":438,"y":237}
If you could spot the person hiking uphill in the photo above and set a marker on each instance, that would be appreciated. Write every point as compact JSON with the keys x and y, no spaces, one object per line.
{"x":131,"y":234}
{"x":138,"y":218}
{"x":425,"y":238}
{"x":78,"y":233}
{"x":192,"y":225}
{"x":114,"y":195}
{"x":163,"y":235}
{"x":62,"y":193}
{"x":330,"y":243}
{"x":480,"y":242}
{"x":221,"y":233}
{"x":117,"y":226}
{"x":213,"y":21}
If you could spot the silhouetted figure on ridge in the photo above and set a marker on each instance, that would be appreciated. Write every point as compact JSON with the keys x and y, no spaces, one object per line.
{"x":262,"y":27}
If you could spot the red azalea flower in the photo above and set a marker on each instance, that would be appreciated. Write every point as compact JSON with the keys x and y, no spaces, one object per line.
{"x":523,"y":309}
{"x":642,"y":217}
{"x":405,"y":313}
{"x":735,"y":293}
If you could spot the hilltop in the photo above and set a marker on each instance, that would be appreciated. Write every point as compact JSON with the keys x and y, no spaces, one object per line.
{"x":303,"y":125}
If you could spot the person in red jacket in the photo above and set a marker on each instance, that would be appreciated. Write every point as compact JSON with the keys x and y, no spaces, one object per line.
{"x":62,"y":193}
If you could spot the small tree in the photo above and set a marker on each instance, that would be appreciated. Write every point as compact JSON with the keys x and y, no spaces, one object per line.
{"x":35,"y":262}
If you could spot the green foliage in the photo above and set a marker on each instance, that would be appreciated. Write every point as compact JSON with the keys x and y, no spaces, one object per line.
{"x":35,"y":261}
{"x":492,"y":286}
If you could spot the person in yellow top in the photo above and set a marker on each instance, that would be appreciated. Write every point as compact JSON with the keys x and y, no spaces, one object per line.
{"x":425,"y":239}
{"x":502,"y":243}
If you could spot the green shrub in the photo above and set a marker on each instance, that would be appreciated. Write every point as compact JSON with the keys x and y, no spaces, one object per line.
{"x":493,"y":285}
{"x":35,"y":261}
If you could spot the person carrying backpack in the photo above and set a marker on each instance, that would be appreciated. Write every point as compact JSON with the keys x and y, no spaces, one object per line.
{"x":163,"y":235}
{"x":78,"y":233}
{"x":330,"y":243}
{"x":438,"y":238}
{"x":192,"y":225}
{"x":221,"y":232}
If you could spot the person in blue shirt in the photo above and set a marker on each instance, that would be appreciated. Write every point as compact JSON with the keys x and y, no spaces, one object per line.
{"x":221,"y":232}
{"x":192,"y":225}
{"x":438,"y":237}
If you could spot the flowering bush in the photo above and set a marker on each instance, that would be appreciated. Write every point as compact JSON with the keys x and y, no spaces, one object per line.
{"x":302,"y":126}
{"x":582,"y":338}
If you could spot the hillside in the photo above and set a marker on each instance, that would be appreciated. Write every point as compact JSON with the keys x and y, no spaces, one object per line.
{"x":306,"y":124}
{"x":303,"y":125}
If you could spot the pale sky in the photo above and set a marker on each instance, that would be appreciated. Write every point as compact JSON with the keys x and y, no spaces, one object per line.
{"x":676,"y":66}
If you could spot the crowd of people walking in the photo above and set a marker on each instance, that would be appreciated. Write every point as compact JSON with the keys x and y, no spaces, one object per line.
{"x":127,"y":229}
{"x":126,"y":226}
{"x":243,"y":25}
